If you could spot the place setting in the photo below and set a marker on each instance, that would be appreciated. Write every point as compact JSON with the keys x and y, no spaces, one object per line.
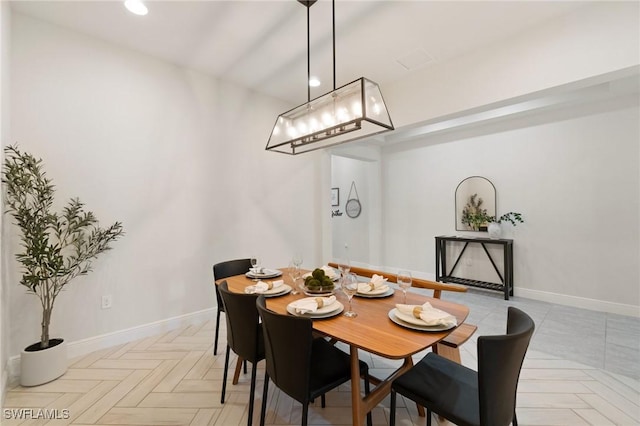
{"x":329,"y":272}
{"x":257,"y":272}
{"x":269,"y":288}
{"x":422,"y":317}
{"x":315,"y":307}
{"x":376,"y":287}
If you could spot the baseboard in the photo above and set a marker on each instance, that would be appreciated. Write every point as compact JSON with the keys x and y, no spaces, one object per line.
{"x":92,"y":344}
{"x":579,"y":302}
{"x":545,"y":296}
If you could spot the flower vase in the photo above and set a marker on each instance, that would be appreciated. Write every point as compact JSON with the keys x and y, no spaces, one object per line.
{"x":494,"y":230}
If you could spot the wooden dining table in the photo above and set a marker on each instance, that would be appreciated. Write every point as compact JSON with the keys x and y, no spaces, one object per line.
{"x":371,"y":331}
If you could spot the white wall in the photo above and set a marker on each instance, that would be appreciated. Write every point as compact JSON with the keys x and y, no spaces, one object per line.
{"x":597,"y":39}
{"x":5,"y":37}
{"x":177,"y":156}
{"x":350,"y":236}
{"x":574,"y":175}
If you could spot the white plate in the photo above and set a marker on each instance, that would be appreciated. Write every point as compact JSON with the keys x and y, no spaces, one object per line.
{"x":377,"y":293}
{"x":278,"y":291}
{"x":414,"y":323}
{"x":324,"y":312}
{"x":268,"y":273}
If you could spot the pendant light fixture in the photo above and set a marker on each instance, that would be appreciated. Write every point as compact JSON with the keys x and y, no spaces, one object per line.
{"x":353,"y":111}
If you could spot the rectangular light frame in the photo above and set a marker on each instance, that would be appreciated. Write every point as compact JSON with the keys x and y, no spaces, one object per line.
{"x":331,"y":119}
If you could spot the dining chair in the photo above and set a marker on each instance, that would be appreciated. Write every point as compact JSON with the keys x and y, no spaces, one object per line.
{"x":223,"y":270}
{"x":300,"y":365}
{"x":464,"y":396}
{"x":244,"y":335}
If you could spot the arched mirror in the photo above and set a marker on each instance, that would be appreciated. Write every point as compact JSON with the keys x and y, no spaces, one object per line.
{"x":475,"y":204}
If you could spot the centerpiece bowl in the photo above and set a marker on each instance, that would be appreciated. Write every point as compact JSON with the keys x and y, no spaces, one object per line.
{"x":318,"y":284}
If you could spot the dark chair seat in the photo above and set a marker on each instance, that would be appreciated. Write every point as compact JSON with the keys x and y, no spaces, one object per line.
{"x":466,"y":397}
{"x":457,"y":388}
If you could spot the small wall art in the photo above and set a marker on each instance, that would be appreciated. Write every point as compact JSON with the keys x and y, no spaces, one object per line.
{"x":335,"y":197}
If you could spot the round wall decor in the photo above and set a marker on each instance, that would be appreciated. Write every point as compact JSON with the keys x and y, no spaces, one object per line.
{"x":353,"y":206}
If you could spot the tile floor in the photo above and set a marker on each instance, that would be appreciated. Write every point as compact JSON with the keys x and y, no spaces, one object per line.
{"x":582,"y":368}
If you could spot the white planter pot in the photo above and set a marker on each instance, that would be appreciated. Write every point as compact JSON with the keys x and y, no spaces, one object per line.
{"x":494,"y":230}
{"x":39,"y":367}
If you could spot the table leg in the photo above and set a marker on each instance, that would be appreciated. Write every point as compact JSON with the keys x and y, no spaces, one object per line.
{"x":236,"y":374}
{"x":359,"y":406}
{"x":356,"y":401}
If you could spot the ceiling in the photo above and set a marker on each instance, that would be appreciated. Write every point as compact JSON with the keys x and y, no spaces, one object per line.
{"x":262,"y":44}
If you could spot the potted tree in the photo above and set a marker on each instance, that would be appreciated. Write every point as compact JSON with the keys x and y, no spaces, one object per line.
{"x":55,"y":248}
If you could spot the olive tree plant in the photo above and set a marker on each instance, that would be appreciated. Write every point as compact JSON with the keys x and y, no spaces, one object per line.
{"x":55,"y":247}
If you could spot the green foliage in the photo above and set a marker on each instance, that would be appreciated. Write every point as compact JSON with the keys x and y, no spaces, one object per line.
{"x":55,"y":247}
{"x":475,"y":216}
{"x":511,"y":217}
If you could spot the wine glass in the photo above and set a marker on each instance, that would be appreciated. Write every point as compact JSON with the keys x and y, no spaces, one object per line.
{"x":294,"y":273}
{"x":255,"y":263}
{"x":344,"y":266}
{"x":350,"y":287}
{"x":404,"y":281}
{"x":297,"y":259}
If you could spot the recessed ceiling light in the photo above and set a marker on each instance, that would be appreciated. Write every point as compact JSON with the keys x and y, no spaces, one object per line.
{"x":136,"y":6}
{"x":314,"y":82}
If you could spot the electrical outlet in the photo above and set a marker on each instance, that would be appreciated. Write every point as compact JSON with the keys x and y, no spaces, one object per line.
{"x":107,"y":301}
{"x":346,"y":245}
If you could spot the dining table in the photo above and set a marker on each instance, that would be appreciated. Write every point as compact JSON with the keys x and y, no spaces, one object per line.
{"x":372,"y":330}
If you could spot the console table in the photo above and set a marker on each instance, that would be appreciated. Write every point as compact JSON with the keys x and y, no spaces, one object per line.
{"x":444,"y":275}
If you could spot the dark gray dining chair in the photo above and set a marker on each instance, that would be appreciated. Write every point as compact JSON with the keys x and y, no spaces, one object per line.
{"x":300,"y":365}
{"x":244,"y":335}
{"x":223,"y":270}
{"x":466,"y":397}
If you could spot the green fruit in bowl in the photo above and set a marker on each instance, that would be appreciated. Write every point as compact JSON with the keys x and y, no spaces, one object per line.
{"x":314,"y":283}
{"x":318,"y":273}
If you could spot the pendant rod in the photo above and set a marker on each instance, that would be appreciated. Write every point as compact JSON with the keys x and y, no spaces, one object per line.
{"x":333,"y":12}
{"x":308,"y":58}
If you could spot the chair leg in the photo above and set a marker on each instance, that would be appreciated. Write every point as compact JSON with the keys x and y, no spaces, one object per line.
{"x":392,"y":412}
{"x":245,"y":366}
{"x":323,"y":401}
{"x":305,"y":412}
{"x":428,"y":417}
{"x":252,"y":391}
{"x":265,"y":391}
{"x":515,"y":419}
{"x":224,"y":379}
{"x":215,"y":340}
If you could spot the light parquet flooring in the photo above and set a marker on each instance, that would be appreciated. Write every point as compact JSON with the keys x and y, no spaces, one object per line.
{"x":174,"y":379}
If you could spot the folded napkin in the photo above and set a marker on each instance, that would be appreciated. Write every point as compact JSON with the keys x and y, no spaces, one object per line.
{"x":329,"y":271}
{"x":312,"y":304}
{"x":257,"y":270}
{"x":378,"y":283}
{"x":428,"y":314}
{"x":261,"y":286}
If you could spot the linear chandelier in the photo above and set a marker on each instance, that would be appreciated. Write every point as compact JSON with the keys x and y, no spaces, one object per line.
{"x":351,"y":112}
